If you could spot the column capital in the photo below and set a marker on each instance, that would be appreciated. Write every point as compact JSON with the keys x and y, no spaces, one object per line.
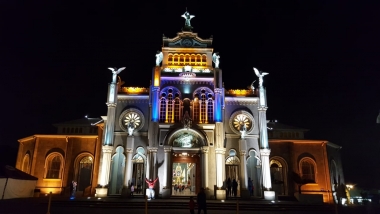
{"x":220,"y":151}
{"x":156,"y":88}
{"x":243,"y":152}
{"x":168,"y":149}
{"x":111,"y":104}
{"x":107,"y":149}
{"x":204,"y":149}
{"x":152,"y":149}
{"x":128,"y":150}
{"x":265,"y":152}
{"x":262,"y":108}
{"x":218,"y":90}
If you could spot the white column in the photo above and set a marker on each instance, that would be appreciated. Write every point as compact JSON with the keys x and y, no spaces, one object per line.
{"x":106,"y":164}
{"x":167,"y":166}
{"x":220,"y":164}
{"x":153,"y":163}
{"x":128,"y":165}
{"x":243,"y":163}
{"x":267,"y":184}
{"x":204,"y":166}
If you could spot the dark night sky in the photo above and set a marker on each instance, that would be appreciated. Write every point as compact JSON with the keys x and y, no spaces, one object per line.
{"x":323,"y":57}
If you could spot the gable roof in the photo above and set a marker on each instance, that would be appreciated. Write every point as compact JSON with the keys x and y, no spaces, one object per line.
{"x":11,"y":172}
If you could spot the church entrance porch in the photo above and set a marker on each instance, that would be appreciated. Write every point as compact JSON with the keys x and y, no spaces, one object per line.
{"x":186,"y":175}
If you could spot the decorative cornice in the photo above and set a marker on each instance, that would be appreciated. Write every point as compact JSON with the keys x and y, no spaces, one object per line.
{"x":134,"y":133}
{"x":240,"y":92}
{"x":241,"y":100}
{"x":134,"y":90}
{"x":155,"y":88}
{"x":184,"y":82}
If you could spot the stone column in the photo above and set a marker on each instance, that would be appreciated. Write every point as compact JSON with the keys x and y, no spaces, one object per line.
{"x":128,"y":165}
{"x":264,"y":146}
{"x":205,"y":167}
{"x":105,"y":171}
{"x":220,"y":165}
{"x":167,"y":166}
{"x":244,"y":192}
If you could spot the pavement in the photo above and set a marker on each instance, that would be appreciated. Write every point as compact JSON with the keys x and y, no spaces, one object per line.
{"x":64,"y":205}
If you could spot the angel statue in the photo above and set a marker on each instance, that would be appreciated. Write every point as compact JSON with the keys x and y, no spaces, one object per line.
{"x":187,"y":17}
{"x":215,"y":59}
{"x":252,"y":86}
{"x":243,"y":130}
{"x":260,"y":76}
{"x":159,"y":57}
{"x":115,"y":72}
{"x":131,"y":128}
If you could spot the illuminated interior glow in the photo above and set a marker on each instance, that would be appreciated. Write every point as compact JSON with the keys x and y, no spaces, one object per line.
{"x":135,"y":90}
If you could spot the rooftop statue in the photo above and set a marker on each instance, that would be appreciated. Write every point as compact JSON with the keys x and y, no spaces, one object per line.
{"x":187,"y":17}
{"x":115,"y":72}
{"x":159,"y":57}
{"x":215,"y":59}
{"x":260,"y":76}
{"x":252,"y":86}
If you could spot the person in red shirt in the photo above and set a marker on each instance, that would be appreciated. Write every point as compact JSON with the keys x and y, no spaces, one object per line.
{"x":151,"y":186}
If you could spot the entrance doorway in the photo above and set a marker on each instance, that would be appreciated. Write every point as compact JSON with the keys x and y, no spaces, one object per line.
{"x":186,"y":176}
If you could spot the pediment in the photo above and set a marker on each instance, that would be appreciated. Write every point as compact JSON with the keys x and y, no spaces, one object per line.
{"x":187,"y":39}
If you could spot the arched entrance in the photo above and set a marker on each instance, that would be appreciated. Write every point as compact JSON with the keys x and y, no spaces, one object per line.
{"x":186,"y":179}
{"x":185,"y":168}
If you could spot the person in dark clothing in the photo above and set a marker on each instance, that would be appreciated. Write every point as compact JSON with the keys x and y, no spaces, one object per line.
{"x":201,"y":201}
{"x":234,"y":187}
{"x":191,"y":205}
{"x":228,"y":187}
{"x":250,"y":186}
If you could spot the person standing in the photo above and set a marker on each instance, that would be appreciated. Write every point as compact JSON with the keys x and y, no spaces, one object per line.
{"x":191,"y":205}
{"x":138,"y":186}
{"x":132,"y":189}
{"x":201,"y":200}
{"x":73,"y":188}
{"x":151,"y":184}
{"x":228,"y":187}
{"x":250,"y":187}
{"x":234,"y":187}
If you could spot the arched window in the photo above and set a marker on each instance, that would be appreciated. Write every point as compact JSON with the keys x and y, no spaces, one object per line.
{"x":307,"y":166}
{"x":203,"y":105}
{"x":25,"y":163}
{"x":85,"y":172}
{"x":170,"y":106}
{"x":204,"y":60}
{"x":177,"y":109}
{"x":175,"y":59}
{"x":54,"y":165}
{"x":170,"y":59}
{"x":162,"y":109}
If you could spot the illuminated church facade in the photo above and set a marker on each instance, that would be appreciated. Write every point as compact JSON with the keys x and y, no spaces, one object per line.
{"x":188,"y":131}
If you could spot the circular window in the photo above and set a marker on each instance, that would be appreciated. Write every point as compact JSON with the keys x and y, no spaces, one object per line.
{"x":240,"y":119}
{"x":131,"y":117}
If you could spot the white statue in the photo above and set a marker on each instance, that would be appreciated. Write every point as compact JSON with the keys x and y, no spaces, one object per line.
{"x":215,"y":59}
{"x":260,"y":76}
{"x":115,"y":72}
{"x":243,"y":130}
{"x":252,"y":86}
{"x":187,"y":17}
{"x":131,"y":128}
{"x":159,"y":57}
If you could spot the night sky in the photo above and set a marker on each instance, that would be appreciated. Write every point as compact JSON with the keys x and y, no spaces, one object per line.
{"x":322,"y":56}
